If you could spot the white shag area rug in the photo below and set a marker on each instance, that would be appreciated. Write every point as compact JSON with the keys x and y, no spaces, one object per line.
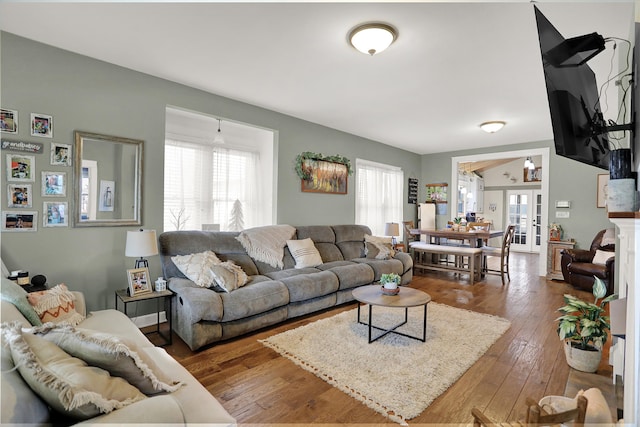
{"x":396,"y":376}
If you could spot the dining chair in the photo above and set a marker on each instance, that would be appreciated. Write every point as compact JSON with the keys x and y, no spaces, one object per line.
{"x":502,"y":252}
{"x":537,"y":416}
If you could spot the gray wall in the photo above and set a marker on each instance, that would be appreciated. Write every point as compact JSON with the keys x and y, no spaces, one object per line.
{"x":568,"y":180}
{"x":89,"y":95}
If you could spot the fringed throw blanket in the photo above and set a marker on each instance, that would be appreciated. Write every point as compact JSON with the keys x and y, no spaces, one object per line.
{"x":267,"y":243}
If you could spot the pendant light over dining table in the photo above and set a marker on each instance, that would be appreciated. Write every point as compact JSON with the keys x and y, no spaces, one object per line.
{"x":219,"y":139}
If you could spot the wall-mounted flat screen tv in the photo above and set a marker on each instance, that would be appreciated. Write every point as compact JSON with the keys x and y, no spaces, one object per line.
{"x":573,"y":103}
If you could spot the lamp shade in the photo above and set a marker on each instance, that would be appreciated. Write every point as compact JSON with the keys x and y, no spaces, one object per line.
{"x":392,"y":229}
{"x":141,"y":243}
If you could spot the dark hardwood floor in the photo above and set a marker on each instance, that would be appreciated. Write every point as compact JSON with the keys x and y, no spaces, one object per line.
{"x":257,"y":386}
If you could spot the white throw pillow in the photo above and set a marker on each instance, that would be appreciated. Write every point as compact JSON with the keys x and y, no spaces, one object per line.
{"x":117,"y":355}
{"x":609,"y":237}
{"x":383,"y":244}
{"x":601,"y":257}
{"x":304,"y":252}
{"x":66,"y":383}
{"x":228,"y":276}
{"x":197,"y":267}
{"x":598,"y":411}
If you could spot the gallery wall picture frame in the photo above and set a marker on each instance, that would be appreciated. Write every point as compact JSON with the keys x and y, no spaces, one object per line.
{"x":55,"y":214}
{"x":602,"y":187}
{"x":61,"y":154}
{"x":139,"y":281}
{"x":41,"y":125}
{"x":19,"y":221}
{"x":19,"y":195}
{"x":324,"y":177}
{"x":54,"y":184}
{"x":20,"y":167}
{"x":8,"y":121}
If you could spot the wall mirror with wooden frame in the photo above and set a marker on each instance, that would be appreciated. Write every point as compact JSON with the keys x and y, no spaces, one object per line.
{"x":107,"y":180}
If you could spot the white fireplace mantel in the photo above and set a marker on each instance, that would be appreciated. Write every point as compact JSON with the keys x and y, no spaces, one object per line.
{"x":628,"y":279}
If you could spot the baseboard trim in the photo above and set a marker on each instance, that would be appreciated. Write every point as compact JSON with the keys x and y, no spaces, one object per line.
{"x":149,"y":319}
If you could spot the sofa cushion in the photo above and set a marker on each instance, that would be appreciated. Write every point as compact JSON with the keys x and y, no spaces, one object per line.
{"x":197,"y":267}
{"x":117,"y":355}
{"x":66,"y":383}
{"x":350,"y":274}
{"x":13,"y":293}
{"x":310,"y":285}
{"x":252,"y":299}
{"x":55,"y":305}
{"x":588,"y":269}
{"x":382,"y":266}
{"x":601,"y":257}
{"x":304,"y":252}
{"x":350,"y":240}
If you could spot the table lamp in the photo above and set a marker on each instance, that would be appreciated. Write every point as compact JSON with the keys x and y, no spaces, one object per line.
{"x":142,"y":243}
{"x":392,"y":229}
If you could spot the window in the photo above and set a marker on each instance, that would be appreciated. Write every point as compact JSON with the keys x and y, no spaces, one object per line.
{"x":207,"y":186}
{"x":379,"y":190}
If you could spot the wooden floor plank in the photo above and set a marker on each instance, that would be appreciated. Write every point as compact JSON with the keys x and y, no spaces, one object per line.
{"x":259,"y":387}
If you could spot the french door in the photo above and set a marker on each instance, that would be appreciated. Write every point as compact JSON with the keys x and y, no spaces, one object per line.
{"x":524,"y":210}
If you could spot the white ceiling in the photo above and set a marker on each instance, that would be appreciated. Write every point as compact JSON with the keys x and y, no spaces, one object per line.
{"x":453,"y":66}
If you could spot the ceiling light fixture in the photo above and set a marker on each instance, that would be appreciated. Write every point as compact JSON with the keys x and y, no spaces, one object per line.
{"x":492,"y":127}
{"x":372,"y":38}
{"x":528,"y":164}
{"x":218,"y":139}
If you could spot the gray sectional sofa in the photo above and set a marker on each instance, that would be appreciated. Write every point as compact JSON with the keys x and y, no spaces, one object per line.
{"x":202,"y":316}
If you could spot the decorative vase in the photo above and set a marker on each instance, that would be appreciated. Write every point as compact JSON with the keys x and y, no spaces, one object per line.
{"x":390,"y":285}
{"x":620,"y":164}
{"x":582,"y":360}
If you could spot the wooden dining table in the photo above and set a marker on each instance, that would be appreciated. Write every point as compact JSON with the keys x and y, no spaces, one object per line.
{"x":476,"y":238}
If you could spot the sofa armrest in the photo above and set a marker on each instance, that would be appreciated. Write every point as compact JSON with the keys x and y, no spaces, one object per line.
{"x":578,"y":255}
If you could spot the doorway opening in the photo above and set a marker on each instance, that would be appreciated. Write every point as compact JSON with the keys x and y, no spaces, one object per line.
{"x":543,"y":208}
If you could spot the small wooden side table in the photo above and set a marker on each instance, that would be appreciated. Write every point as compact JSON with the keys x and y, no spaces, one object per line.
{"x":164,"y":296}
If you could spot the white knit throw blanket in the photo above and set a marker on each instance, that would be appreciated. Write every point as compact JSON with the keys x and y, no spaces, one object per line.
{"x":267,"y":243}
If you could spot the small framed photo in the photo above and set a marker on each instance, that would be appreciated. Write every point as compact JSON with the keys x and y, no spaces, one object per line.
{"x":41,"y":125}
{"x":601,"y":190}
{"x":54,"y":183}
{"x":20,"y":167}
{"x":23,"y":221}
{"x":60,"y":154}
{"x":8,"y":121}
{"x":54,"y":214}
{"x":19,"y":195}
{"x":138,"y":281}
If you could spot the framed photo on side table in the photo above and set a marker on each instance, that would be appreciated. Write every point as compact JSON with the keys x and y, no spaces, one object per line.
{"x":138,"y":281}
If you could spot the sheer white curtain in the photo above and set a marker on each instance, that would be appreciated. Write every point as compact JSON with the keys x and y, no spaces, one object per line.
{"x":207,"y":185}
{"x":379,"y":190}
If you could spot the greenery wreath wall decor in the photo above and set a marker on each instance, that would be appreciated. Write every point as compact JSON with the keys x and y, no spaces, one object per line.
{"x":323,"y":174}
{"x":318,"y":156}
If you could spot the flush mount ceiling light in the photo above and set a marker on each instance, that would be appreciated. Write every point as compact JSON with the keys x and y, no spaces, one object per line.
{"x":492,"y":127}
{"x":372,"y":38}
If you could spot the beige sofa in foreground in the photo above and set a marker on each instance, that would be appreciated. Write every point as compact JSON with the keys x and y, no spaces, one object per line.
{"x":190,"y":404}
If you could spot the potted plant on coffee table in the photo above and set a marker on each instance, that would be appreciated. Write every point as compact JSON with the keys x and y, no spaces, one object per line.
{"x":390,"y":283}
{"x":583,"y":327}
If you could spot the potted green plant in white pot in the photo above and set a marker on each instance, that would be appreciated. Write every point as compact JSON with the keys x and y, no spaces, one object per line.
{"x":390,"y":283}
{"x":583,"y":327}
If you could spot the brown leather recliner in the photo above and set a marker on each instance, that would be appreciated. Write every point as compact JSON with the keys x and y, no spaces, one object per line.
{"x":578,"y":269}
